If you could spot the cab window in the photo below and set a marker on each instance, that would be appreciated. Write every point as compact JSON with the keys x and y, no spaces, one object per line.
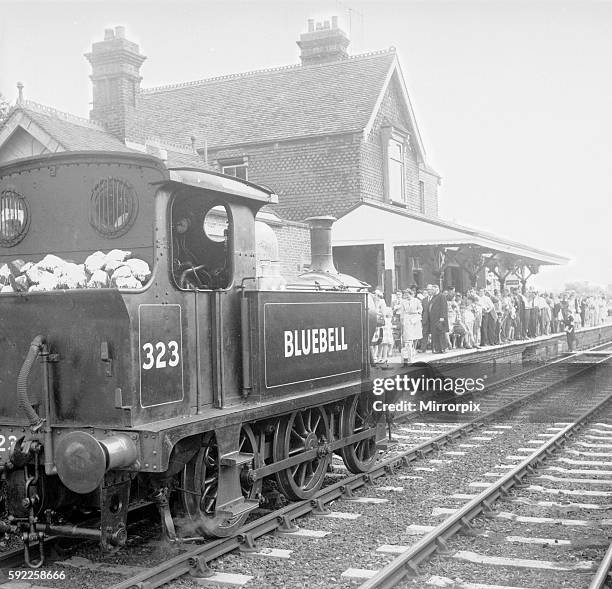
{"x":201,"y":242}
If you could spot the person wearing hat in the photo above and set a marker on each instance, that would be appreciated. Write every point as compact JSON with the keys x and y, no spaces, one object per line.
{"x":425,"y":325}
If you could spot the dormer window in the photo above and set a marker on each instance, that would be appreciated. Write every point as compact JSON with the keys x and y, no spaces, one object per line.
{"x":394,"y":151}
{"x":396,"y":171}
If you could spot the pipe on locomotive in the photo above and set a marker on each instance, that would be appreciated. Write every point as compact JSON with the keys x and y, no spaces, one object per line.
{"x":23,"y":399}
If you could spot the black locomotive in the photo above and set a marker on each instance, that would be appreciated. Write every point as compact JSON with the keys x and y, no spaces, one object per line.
{"x":196,"y":386}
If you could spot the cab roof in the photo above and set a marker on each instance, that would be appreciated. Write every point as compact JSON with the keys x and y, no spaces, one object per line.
{"x":209,"y":180}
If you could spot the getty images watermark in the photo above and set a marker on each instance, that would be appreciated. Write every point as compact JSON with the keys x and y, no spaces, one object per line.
{"x":410,"y":385}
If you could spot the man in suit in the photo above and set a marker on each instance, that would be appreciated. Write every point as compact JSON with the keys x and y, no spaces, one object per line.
{"x":425,"y":318}
{"x":519,"y":309}
{"x":438,"y":320}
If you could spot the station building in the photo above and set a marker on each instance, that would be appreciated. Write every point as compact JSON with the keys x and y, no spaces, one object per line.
{"x":333,"y":135}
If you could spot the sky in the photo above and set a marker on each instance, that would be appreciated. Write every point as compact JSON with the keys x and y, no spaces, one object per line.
{"x":513,"y":99}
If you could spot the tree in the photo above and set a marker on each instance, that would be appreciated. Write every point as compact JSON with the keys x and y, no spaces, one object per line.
{"x":4,"y":108}
{"x":584,"y":288}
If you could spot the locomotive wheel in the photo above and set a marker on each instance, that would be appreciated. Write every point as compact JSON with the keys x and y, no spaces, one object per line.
{"x":199,"y":484}
{"x":249,"y":445}
{"x":303,"y":430}
{"x":357,"y":416}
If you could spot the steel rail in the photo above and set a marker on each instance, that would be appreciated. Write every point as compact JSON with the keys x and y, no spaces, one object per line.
{"x":407,"y":563}
{"x":195,"y":559}
{"x":509,"y":380}
{"x":601,"y":576}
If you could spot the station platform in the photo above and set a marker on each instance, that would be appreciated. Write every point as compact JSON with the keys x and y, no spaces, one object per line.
{"x":501,"y":360}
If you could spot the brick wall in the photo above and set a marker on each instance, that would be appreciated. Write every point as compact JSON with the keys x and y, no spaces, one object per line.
{"x":431,"y":192}
{"x":294,"y":247}
{"x":312,"y":176}
{"x":393,"y":113}
{"x":328,"y":175}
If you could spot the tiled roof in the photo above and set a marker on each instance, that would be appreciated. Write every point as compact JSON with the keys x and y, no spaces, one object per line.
{"x":73,"y":133}
{"x":77,"y":134}
{"x":268,"y":105}
{"x":185,"y":160}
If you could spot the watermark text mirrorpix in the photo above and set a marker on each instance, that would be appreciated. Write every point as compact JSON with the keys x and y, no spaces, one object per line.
{"x":412,"y":385}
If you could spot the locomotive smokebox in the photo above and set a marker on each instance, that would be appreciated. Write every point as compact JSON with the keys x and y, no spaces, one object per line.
{"x":82,"y":460}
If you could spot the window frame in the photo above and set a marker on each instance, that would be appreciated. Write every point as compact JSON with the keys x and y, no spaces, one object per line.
{"x":389,"y":136}
{"x":13,"y":198}
{"x":229,"y":244}
{"x":235,"y":164}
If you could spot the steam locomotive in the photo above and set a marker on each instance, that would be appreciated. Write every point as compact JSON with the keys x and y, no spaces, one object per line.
{"x":198,"y":387}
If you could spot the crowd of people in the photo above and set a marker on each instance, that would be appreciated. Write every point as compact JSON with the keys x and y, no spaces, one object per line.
{"x":422,"y":319}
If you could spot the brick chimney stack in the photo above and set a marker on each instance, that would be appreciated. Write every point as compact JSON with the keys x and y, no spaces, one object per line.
{"x":323,"y":43}
{"x":115,"y":74}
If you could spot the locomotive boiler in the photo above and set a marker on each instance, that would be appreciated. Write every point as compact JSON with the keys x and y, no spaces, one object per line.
{"x":166,"y":370}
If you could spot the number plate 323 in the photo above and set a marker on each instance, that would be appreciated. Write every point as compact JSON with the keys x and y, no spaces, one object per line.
{"x":161,"y":354}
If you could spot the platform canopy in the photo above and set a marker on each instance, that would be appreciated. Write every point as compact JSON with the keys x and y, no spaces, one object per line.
{"x":437,"y":245}
{"x":371,"y":224}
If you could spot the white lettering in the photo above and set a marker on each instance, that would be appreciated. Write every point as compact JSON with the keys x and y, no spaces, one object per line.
{"x":301,"y":342}
{"x":344,"y":345}
{"x":298,"y":352}
{"x":288,"y":344}
{"x":322,"y":340}
{"x":306,"y":341}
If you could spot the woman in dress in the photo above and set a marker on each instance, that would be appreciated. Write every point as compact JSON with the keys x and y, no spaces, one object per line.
{"x":453,"y":314}
{"x":477,"y":309}
{"x":386,"y":346}
{"x":411,"y":310}
{"x":375,"y":345}
{"x":468,"y":318}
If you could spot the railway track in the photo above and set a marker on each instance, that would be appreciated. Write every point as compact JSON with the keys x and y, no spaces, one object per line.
{"x":195,"y":559}
{"x":571,"y":468}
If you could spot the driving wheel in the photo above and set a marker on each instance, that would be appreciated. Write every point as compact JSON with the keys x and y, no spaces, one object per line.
{"x":358,"y":415}
{"x":199,"y":488}
{"x":303,"y":430}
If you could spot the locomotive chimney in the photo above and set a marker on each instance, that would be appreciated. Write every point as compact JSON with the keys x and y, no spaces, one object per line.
{"x":322,"y":259}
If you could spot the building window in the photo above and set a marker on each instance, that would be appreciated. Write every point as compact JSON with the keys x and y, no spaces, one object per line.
{"x":396,"y":170}
{"x":422,"y":196}
{"x":236,"y":167}
{"x":394,"y":144}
